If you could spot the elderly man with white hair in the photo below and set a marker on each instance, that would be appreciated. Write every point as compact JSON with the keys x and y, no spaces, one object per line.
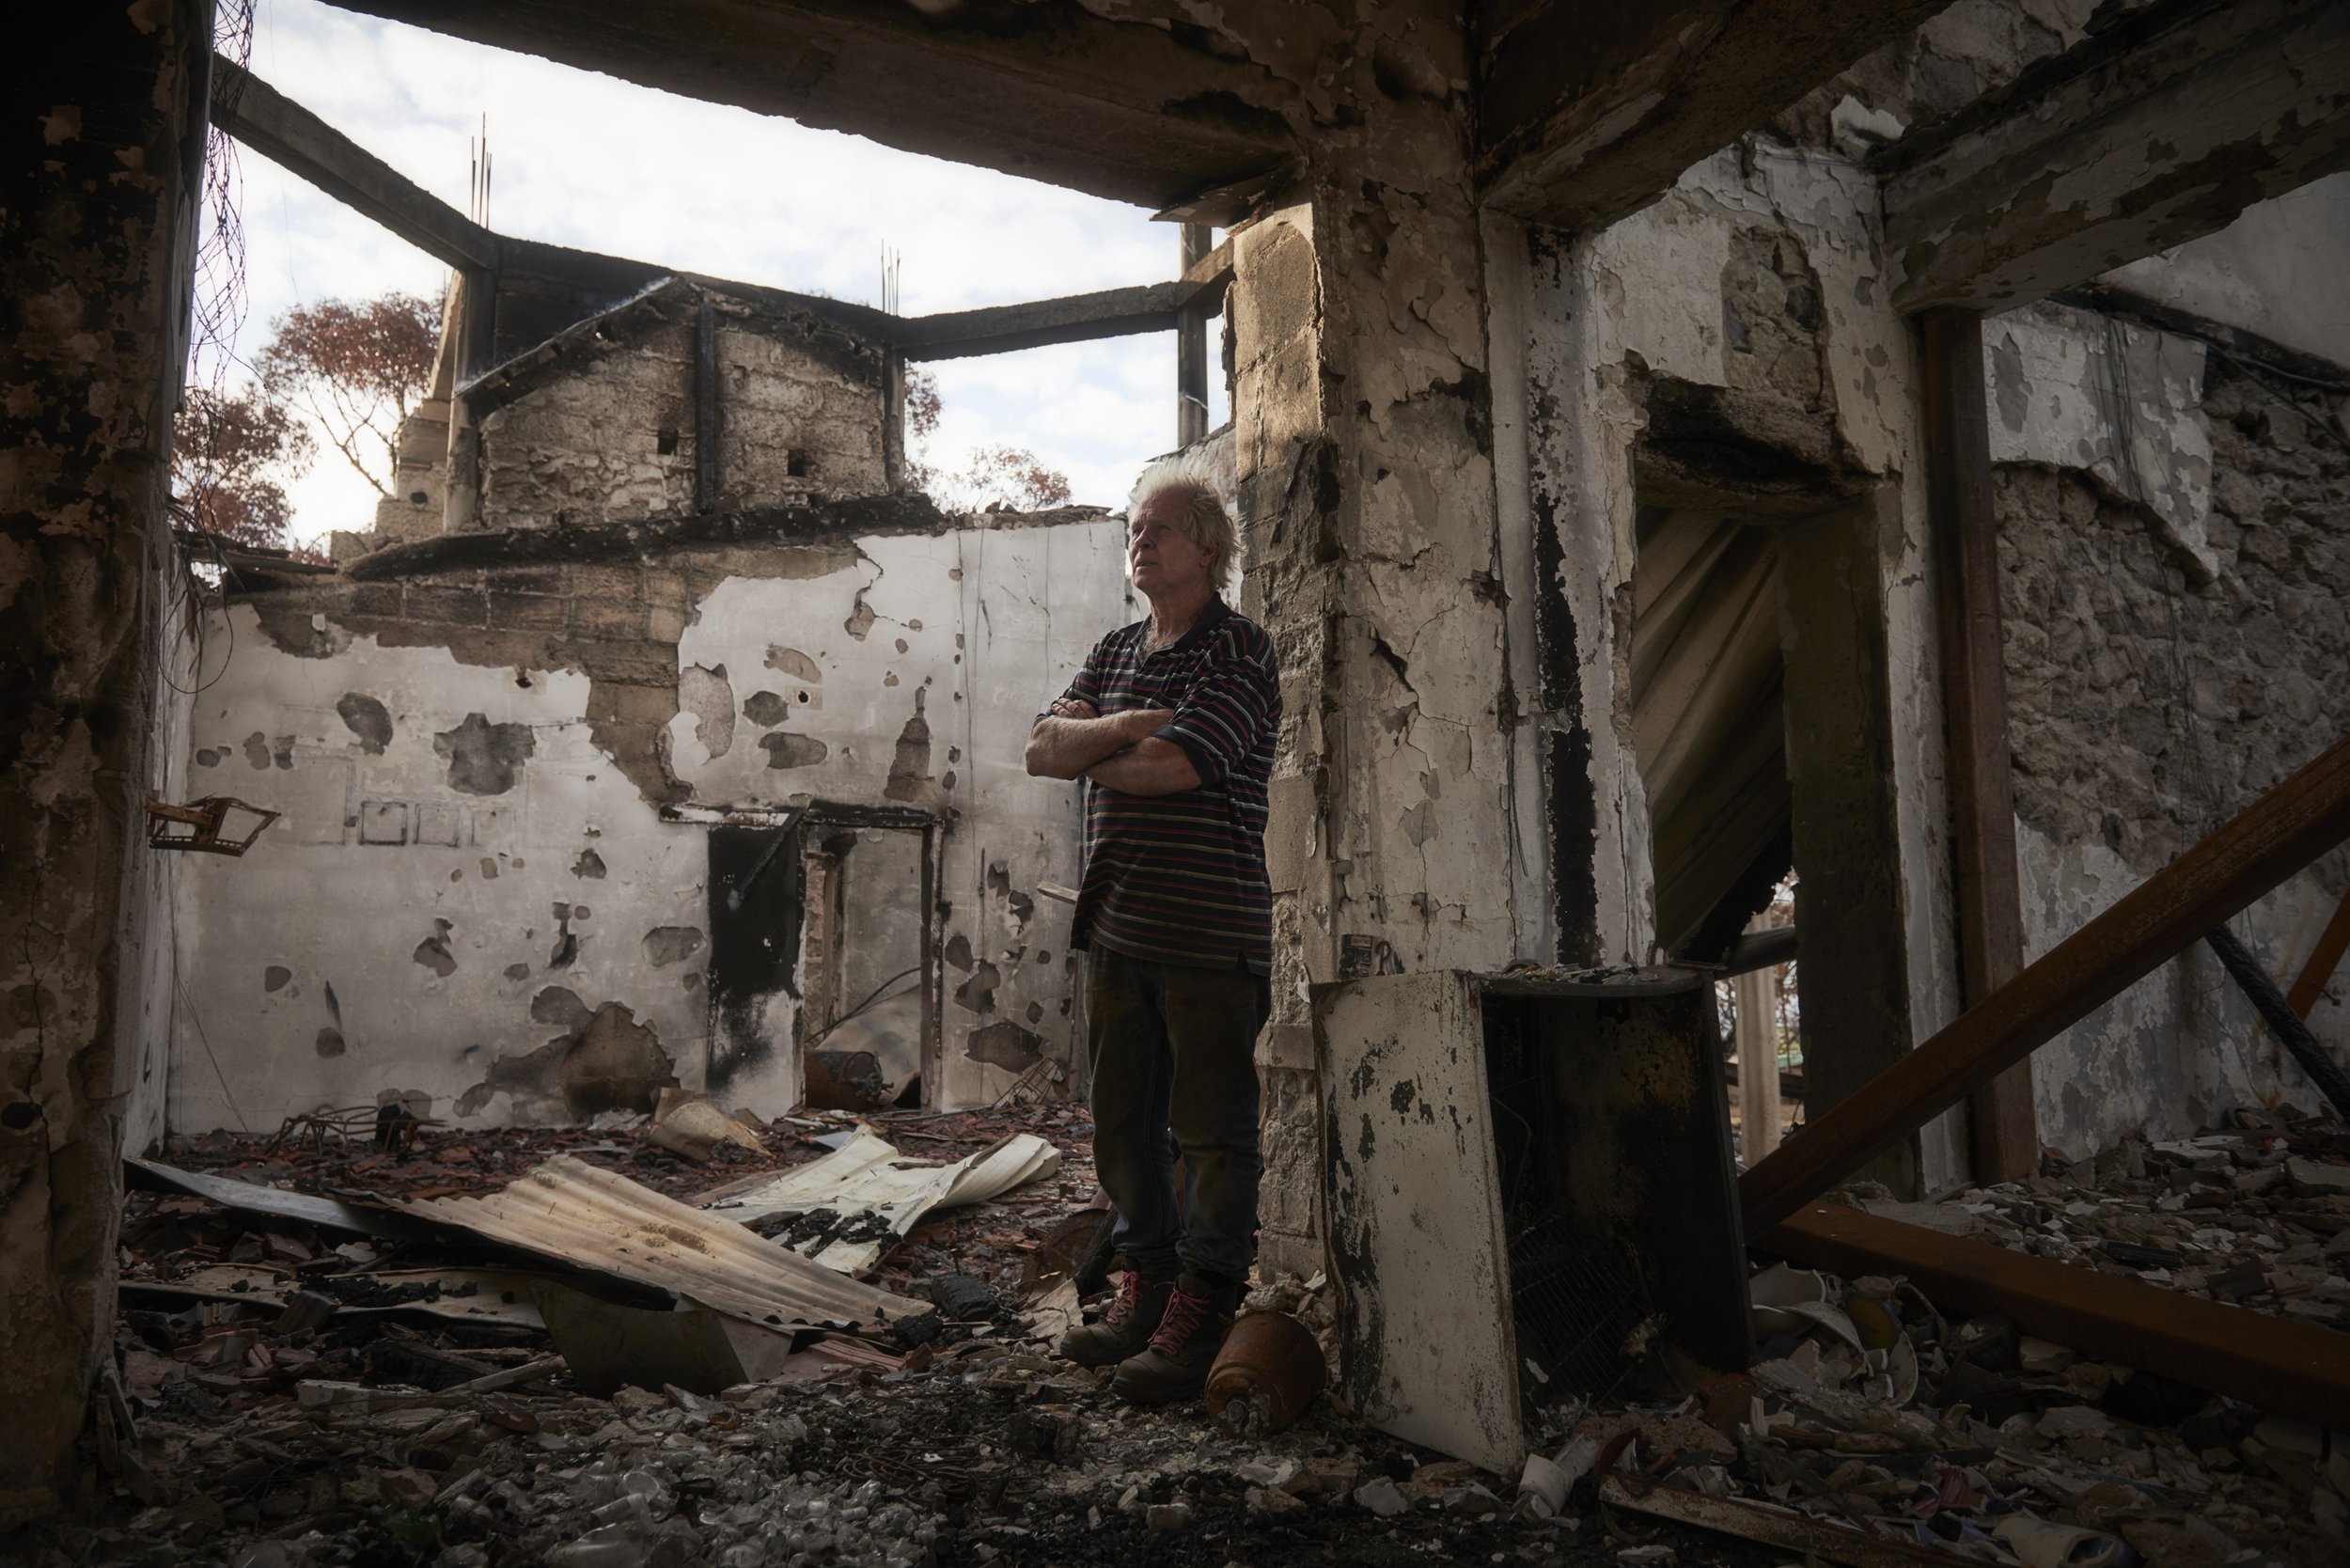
{"x":1171,"y":723}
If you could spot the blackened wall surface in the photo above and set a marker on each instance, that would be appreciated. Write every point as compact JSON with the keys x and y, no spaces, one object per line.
{"x":103,"y":120}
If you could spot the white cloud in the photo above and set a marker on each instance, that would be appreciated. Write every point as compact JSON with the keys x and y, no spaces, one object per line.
{"x":589,"y":160}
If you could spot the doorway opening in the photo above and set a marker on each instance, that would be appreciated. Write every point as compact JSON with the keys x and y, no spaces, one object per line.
{"x":1710,"y":729}
{"x":823,"y":972}
{"x":863,"y":1017}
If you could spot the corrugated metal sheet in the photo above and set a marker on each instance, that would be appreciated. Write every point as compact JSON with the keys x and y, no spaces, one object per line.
{"x":590,"y":1219}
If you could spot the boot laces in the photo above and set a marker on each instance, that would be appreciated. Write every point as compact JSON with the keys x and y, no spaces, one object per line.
{"x":1186,"y":1312}
{"x":1129,"y":1298}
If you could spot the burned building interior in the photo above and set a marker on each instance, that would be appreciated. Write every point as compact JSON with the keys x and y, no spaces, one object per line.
{"x":551,"y":1034}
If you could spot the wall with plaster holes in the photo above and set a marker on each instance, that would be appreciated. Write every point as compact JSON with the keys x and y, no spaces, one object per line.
{"x":469,"y":903}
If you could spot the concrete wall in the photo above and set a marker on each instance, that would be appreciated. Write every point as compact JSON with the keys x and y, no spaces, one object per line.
{"x":148,"y":983}
{"x":473,"y":896}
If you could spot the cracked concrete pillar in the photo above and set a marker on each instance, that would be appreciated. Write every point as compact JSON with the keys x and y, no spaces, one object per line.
{"x":1364,"y":446}
{"x":95,"y":252}
{"x":1564,"y":422}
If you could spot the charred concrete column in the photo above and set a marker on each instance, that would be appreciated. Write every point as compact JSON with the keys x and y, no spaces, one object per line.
{"x":104,"y":173}
{"x":1563,"y":425}
{"x":1365,"y":456}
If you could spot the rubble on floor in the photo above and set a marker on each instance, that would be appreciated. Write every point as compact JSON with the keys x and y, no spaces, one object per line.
{"x":375,"y":1401}
{"x":2255,"y":1213}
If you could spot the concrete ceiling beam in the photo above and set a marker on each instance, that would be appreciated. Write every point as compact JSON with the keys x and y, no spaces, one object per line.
{"x":1587,"y":113}
{"x":1134,"y":109}
{"x":1077,"y":319}
{"x":288,"y":135}
{"x":2153,"y":133}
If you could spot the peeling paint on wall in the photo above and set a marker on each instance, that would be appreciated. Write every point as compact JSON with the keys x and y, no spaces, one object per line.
{"x":367,"y":720}
{"x":484,"y":758}
{"x":433,"y":952}
{"x":667,"y":945}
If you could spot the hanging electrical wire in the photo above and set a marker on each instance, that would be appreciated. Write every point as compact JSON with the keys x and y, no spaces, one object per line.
{"x":216,"y":315}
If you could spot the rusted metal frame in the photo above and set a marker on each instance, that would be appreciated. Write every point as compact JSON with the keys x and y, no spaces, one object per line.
{"x":2005,"y":1139}
{"x":2323,"y":960}
{"x":2281,"y":1020}
{"x":2291,"y":825}
{"x":2297,"y":1368}
{"x":204,"y":821}
{"x":705,"y":406}
{"x":1191,"y":345}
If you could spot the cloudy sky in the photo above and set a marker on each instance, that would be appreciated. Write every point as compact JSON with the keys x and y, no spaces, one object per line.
{"x":588,"y":161}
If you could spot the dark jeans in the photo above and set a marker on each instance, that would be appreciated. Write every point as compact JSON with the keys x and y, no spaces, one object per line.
{"x":1174,"y":1067}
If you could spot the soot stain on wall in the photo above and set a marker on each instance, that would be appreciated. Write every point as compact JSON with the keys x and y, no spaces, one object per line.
{"x":484,"y":758}
{"x":366,"y":718}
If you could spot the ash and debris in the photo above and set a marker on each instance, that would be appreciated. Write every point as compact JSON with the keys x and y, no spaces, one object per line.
{"x":367,"y":1438}
{"x":2255,"y":1213}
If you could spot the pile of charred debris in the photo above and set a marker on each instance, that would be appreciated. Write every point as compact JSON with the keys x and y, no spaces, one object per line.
{"x":371,"y":1340}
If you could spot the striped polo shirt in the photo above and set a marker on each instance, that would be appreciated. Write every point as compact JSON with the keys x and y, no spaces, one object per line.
{"x":1181,"y":878}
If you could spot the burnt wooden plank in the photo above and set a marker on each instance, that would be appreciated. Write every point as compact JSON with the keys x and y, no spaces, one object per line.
{"x":2323,"y":960}
{"x":2291,"y":825}
{"x":1965,"y":523}
{"x":2148,"y":135}
{"x":2297,"y":1368}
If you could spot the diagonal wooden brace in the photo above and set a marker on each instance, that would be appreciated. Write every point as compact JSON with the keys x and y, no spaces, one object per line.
{"x":2268,"y":841}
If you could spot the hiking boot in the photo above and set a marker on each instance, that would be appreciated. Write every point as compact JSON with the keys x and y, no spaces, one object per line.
{"x":1174,"y":1365}
{"x":1125,"y":1328}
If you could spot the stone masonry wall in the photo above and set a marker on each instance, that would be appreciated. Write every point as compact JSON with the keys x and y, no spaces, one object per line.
{"x":609,"y":437}
{"x":2148,"y":703}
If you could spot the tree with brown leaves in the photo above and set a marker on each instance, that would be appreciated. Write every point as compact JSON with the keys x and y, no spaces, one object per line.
{"x":357,"y":369}
{"x":230,"y":454}
{"x":993,"y":478}
{"x":1011,"y":478}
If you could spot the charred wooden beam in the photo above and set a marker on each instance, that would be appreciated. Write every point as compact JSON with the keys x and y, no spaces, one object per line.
{"x":2277,"y":836}
{"x":1077,"y":319}
{"x":1965,"y":523}
{"x":2278,"y":1015}
{"x":1191,"y":345}
{"x":2323,"y":960}
{"x":1760,"y":949}
{"x":1587,"y":113}
{"x":262,"y":118}
{"x":2148,"y":135}
{"x":2297,"y":1368}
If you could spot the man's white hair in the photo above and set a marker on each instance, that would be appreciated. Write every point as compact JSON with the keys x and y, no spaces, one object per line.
{"x":1197,"y":477}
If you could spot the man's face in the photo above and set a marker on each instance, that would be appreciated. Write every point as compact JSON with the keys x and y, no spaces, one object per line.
{"x":1160,"y":557}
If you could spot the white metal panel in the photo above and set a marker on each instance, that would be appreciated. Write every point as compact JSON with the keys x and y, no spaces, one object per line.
{"x":1416,"y":1233}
